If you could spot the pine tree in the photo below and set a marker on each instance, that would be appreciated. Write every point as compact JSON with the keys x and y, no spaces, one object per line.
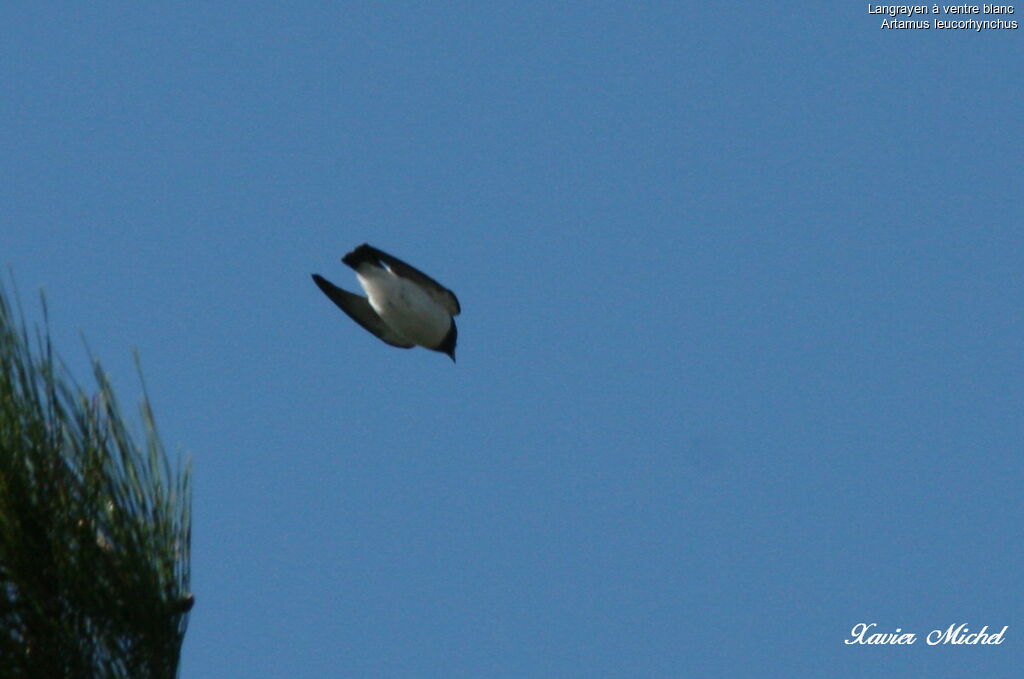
{"x":94,"y":525}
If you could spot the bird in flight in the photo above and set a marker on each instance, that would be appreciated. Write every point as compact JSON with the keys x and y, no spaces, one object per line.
{"x":404,"y":307}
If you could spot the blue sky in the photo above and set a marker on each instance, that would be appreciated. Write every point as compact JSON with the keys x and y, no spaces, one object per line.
{"x":740,"y":356}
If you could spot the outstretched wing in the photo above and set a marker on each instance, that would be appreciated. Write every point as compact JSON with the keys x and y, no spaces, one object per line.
{"x":442,"y":295}
{"x":360,"y":311}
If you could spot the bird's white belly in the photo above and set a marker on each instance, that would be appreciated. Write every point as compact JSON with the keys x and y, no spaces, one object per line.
{"x":405,"y":307}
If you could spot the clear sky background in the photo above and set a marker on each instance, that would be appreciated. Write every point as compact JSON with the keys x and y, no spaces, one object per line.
{"x":740,"y":357}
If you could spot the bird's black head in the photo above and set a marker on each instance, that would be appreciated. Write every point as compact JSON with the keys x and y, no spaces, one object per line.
{"x":447,"y":345}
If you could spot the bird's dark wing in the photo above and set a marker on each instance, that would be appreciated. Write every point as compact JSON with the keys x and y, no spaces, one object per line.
{"x":441,"y":294}
{"x":360,"y":311}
